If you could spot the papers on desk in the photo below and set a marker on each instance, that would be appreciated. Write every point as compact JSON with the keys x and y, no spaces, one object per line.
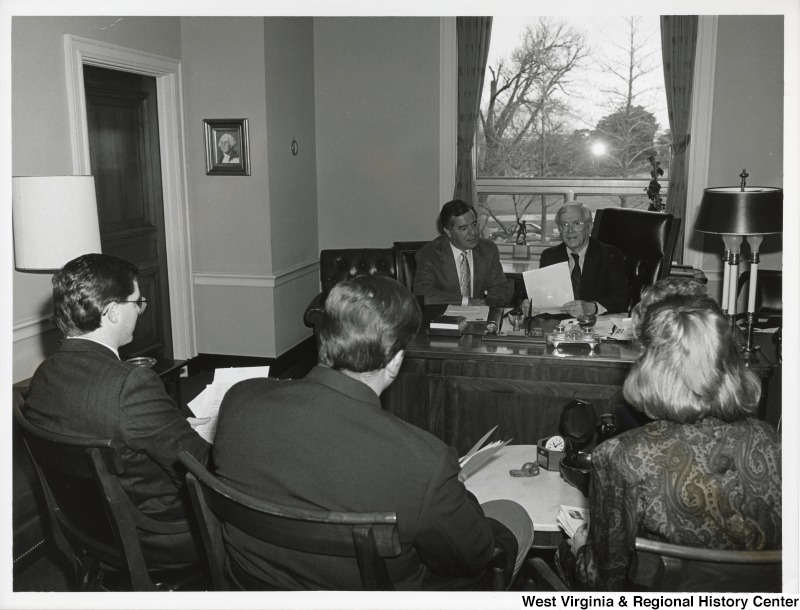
{"x":549,"y":288}
{"x":570,"y":518}
{"x":617,"y":328}
{"x":206,"y":405}
{"x":478,"y":456}
{"x":473,"y":313}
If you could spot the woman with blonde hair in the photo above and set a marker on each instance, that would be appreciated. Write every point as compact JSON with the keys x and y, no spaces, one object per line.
{"x":705,"y":473}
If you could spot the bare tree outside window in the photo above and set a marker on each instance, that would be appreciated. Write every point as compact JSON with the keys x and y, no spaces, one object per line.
{"x":571,"y":99}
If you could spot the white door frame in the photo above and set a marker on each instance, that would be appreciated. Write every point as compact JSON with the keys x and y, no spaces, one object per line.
{"x":167,"y":72}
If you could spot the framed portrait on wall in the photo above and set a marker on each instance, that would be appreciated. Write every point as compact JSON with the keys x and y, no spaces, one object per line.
{"x":227,"y":147}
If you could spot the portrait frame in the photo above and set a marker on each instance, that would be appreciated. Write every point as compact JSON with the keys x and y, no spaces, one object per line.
{"x":231,"y":135}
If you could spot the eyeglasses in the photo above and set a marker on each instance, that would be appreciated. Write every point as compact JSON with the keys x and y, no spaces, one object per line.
{"x":141,"y":304}
{"x":578,"y":224}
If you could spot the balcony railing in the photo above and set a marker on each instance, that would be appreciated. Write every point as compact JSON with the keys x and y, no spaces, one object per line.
{"x":502,"y":202}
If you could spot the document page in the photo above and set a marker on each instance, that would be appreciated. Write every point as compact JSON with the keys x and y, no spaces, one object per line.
{"x":206,"y":405}
{"x":473,"y":313}
{"x":549,"y":288}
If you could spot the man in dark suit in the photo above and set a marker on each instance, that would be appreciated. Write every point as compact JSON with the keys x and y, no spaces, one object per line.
{"x":85,"y":390}
{"x":461,"y":267}
{"x":324,"y":442}
{"x":597,"y":270}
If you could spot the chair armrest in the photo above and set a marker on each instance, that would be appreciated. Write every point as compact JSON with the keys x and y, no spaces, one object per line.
{"x":313,"y":313}
{"x":501,"y":571}
{"x":543,"y":575}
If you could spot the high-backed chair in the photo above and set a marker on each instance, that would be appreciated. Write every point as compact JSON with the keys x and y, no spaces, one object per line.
{"x":369,"y":538}
{"x":659,"y":566}
{"x":647,"y":240}
{"x":406,"y":254}
{"x":94,"y":523}
{"x":344,"y":264}
{"x":663,"y":567}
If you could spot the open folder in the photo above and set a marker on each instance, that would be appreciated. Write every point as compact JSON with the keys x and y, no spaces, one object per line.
{"x":478,"y":455}
{"x":549,"y":288}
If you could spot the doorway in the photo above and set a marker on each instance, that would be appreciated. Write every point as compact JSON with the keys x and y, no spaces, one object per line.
{"x":122,"y":122}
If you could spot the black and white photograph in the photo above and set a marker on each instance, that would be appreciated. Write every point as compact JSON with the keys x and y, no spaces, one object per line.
{"x":374,"y":306}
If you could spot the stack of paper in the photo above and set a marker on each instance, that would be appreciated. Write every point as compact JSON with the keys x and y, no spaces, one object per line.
{"x":206,"y":405}
{"x":477,"y":456}
{"x":570,"y":518}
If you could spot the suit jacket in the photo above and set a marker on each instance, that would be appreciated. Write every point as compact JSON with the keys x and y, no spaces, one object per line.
{"x":436,"y":276}
{"x":711,"y":484}
{"x":603,"y":276}
{"x":324,"y":442}
{"x":85,"y":390}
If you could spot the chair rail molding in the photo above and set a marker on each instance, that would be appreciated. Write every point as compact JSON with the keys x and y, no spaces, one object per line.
{"x":168,"y":74}
{"x":257,"y":280}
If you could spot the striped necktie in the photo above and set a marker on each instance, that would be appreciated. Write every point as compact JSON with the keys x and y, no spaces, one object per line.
{"x":575,"y":276}
{"x":466,"y":278}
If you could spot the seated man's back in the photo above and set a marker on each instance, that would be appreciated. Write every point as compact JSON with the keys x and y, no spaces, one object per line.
{"x":85,"y":390}
{"x":324,"y":442}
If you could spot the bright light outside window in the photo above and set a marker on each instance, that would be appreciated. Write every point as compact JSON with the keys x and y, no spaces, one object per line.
{"x":571,"y":108}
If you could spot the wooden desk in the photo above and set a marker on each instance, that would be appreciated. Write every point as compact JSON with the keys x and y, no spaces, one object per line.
{"x":457,"y":388}
{"x":541,"y":496}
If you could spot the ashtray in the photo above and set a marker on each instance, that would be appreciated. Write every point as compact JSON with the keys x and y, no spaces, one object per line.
{"x":587,"y":320}
{"x":145,"y":361}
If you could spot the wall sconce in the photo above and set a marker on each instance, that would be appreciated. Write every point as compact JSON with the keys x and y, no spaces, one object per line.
{"x":55,"y":220}
{"x":738,"y":213}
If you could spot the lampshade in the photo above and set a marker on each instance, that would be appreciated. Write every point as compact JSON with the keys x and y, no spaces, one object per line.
{"x":55,"y":220}
{"x":756,"y":210}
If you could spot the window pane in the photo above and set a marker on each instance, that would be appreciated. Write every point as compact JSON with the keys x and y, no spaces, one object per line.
{"x":572,"y":108}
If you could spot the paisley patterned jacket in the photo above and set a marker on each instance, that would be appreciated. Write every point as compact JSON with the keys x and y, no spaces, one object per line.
{"x":710,"y":484}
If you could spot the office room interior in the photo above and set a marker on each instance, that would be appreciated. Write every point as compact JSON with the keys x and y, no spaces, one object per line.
{"x":370,"y":102}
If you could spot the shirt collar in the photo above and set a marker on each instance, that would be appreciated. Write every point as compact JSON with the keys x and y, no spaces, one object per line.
{"x":457,"y":252}
{"x":98,"y":342}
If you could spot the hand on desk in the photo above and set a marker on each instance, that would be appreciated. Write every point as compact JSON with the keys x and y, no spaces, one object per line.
{"x":579,"y":308}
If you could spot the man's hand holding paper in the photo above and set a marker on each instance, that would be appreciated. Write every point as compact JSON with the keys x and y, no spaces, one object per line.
{"x":549,"y":288}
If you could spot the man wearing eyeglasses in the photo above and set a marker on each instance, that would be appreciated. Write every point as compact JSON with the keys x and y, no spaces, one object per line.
{"x":85,"y":390}
{"x":597,"y":270}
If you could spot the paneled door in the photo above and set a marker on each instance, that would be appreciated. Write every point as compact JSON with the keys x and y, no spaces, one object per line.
{"x":122,"y":116}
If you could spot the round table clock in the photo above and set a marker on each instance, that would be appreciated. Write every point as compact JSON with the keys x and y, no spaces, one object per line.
{"x":555,"y":443}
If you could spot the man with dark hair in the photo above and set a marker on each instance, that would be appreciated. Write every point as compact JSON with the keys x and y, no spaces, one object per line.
{"x":324,"y":442}
{"x":85,"y":390}
{"x":597,"y":270}
{"x":460,"y":267}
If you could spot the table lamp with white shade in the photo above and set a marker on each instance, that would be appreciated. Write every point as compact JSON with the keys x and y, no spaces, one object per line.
{"x":55,"y":220}
{"x":738,"y":213}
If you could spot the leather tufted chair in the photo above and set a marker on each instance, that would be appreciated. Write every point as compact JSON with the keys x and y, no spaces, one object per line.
{"x":406,"y":253}
{"x":338,"y":265}
{"x":647,"y":240}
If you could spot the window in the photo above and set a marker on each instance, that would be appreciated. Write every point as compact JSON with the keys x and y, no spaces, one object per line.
{"x":572,"y":108}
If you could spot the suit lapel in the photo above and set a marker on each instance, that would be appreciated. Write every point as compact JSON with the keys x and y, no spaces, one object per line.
{"x":449,"y":264}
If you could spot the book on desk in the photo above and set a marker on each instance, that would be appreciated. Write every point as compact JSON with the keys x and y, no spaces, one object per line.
{"x":445,"y":322}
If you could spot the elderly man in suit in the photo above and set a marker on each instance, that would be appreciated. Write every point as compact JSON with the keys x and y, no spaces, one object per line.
{"x":597,"y":270}
{"x":85,"y":390}
{"x":324,"y":442}
{"x":461,"y":267}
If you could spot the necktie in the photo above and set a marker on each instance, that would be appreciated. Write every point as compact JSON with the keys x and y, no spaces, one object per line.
{"x":575,"y":276}
{"x":466,"y":279}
